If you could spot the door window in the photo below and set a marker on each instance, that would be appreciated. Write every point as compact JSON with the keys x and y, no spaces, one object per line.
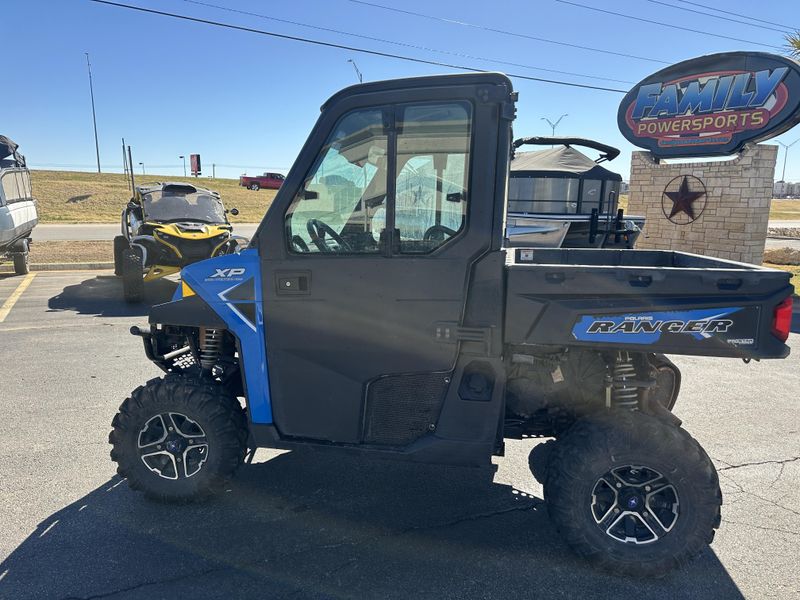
{"x":432,"y":172}
{"x":335,"y":208}
{"x":342,"y":206}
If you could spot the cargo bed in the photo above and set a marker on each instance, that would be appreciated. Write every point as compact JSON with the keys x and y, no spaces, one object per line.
{"x":652,"y":300}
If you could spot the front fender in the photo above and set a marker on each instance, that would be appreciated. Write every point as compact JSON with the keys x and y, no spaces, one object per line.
{"x":191,"y":311}
{"x":230,"y":287}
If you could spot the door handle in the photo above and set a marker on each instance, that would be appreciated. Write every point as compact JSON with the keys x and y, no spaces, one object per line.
{"x":293,"y":283}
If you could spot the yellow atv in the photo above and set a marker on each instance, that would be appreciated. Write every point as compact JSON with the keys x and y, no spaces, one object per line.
{"x":167,"y":226}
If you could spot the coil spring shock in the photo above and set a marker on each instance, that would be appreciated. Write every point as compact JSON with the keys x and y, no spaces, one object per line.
{"x":210,"y":347}
{"x":624,"y":395}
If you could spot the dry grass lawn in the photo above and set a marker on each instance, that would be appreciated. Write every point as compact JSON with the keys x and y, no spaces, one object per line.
{"x":73,"y":197}
{"x":780,"y":210}
{"x":72,"y":252}
{"x":785,"y":210}
{"x":69,"y":252}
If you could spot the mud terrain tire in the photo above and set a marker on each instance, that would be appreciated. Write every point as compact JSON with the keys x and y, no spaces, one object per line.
{"x":617,"y":444}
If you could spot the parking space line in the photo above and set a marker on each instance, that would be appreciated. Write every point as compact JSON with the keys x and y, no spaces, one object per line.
{"x":15,"y":295}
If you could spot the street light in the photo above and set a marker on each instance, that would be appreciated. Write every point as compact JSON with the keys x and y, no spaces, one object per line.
{"x":142,"y":165}
{"x":358,"y":73}
{"x":554,"y":125}
{"x":785,"y":154}
{"x":94,"y":117}
{"x":184,"y":164}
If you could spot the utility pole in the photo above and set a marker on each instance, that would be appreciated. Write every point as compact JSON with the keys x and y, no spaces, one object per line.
{"x":213,"y":170}
{"x":94,"y":117}
{"x":785,"y":155}
{"x":142,"y":165}
{"x":130,"y":170}
{"x":183,"y":158}
{"x":554,"y":125}
{"x":124,"y":160}
{"x":358,"y":73}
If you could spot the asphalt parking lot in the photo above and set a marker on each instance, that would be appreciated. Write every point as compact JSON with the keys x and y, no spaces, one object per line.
{"x":309,"y":524}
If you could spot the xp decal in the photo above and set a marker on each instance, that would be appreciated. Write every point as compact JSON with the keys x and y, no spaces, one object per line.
{"x":649,"y":328}
{"x":713,"y":104}
{"x":227,"y":273}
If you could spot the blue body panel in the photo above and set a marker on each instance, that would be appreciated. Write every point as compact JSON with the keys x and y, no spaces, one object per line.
{"x":231,"y":286}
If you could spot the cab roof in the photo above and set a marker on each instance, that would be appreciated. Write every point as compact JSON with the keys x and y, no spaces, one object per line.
{"x":387,"y":85}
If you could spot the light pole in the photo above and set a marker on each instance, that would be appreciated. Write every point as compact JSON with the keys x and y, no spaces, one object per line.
{"x":554,"y":125}
{"x":141,"y":164}
{"x":785,"y":154}
{"x":183,"y":158}
{"x":94,"y":117}
{"x":358,"y":73}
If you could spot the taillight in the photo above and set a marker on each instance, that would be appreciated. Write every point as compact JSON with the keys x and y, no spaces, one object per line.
{"x":782,"y":319}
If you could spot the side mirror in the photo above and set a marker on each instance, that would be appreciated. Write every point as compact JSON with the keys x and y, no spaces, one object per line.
{"x":234,"y":211}
{"x":310,"y":195}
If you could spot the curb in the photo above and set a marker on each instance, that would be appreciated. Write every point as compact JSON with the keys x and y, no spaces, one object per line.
{"x":85,"y":266}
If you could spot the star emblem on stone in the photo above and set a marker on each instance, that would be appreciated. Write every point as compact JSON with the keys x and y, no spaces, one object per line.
{"x":682,"y":199}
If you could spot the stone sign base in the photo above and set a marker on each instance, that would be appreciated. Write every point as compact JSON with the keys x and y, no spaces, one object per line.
{"x":730,"y":203}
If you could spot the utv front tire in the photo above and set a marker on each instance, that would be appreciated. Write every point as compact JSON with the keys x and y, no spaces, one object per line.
{"x":632,"y":494}
{"x":178,"y":439}
{"x":120,"y":245}
{"x":21,"y":264}
{"x":132,"y":273}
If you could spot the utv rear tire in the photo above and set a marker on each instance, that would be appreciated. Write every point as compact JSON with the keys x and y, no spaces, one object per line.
{"x":21,"y":264}
{"x":625,"y":447}
{"x":120,"y":245}
{"x":132,"y":276}
{"x":209,"y":407}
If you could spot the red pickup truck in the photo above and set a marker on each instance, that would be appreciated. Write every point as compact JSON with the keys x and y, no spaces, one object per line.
{"x":270,"y":181}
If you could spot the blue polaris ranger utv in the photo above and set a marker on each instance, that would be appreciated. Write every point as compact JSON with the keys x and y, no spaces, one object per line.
{"x":377,"y":309}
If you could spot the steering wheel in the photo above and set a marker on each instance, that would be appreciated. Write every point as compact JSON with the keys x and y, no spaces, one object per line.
{"x":318,"y":229}
{"x":299,"y":243}
{"x":438,"y":233}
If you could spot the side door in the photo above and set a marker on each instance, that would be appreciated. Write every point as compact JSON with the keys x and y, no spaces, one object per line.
{"x":379,"y":223}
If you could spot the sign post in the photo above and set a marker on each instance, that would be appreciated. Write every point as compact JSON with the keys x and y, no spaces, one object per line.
{"x":194,"y":160}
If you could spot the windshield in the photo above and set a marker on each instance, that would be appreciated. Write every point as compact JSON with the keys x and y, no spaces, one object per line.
{"x":161,"y":206}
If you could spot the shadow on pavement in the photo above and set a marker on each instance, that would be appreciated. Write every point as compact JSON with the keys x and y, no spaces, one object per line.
{"x":323,"y":525}
{"x":102,"y":296}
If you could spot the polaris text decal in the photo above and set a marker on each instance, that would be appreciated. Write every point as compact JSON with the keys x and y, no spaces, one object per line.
{"x":649,"y":328}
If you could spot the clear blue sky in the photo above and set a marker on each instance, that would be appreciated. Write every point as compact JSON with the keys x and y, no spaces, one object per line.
{"x":248,"y":101}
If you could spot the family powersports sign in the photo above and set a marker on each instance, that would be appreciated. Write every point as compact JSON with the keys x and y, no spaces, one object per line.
{"x":712,"y":105}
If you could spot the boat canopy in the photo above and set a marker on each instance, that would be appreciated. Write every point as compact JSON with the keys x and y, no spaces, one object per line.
{"x":9,"y":157}
{"x":561,"y":161}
